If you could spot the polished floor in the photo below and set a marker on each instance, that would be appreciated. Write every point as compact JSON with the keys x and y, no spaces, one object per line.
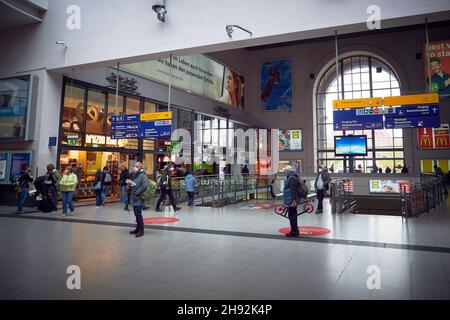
{"x":235,"y":252}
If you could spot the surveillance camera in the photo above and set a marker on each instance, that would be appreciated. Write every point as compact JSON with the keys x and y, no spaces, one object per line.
{"x":160,"y":11}
{"x":230,"y":31}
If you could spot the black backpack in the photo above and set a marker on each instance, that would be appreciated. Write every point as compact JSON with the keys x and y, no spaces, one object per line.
{"x":302,"y":189}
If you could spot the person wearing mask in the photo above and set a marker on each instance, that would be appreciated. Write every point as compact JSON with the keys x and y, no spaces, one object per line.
{"x":98,"y":188}
{"x":165,"y":187}
{"x":138,"y":186}
{"x":291,"y":198}
{"x":51,"y":184}
{"x":190,"y":181}
{"x":24,"y":187}
{"x":388,"y":170}
{"x":405,"y":169}
{"x":124,"y":176}
{"x":106,"y":184}
{"x":438,"y":171}
{"x":321,"y":186}
{"x":68,"y":185}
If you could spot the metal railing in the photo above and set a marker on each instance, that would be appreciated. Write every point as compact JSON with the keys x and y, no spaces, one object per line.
{"x":341,"y":200}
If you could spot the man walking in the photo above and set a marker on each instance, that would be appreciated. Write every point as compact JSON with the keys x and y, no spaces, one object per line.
{"x":138,"y":187}
{"x":165,"y":186}
{"x":190,"y":187}
{"x":292,"y":199}
{"x":321,"y":185}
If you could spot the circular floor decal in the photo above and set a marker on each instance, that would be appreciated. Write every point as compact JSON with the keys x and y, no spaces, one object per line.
{"x":307,"y":231}
{"x":160,"y":220}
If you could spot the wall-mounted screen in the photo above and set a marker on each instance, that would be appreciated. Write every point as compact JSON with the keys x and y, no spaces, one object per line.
{"x":350,"y":145}
{"x":389,"y":186}
{"x":291,"y":140}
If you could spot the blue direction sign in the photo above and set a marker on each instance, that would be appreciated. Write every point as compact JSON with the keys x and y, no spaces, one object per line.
{"x":413,"y":111}
{"x":126,"y":118}
{"x":156,"y":129}
{"x":412,"y":122}
{"x":124,"y":134}
{"x":358,"y":119}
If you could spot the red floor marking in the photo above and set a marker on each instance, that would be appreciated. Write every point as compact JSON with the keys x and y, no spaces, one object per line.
{"x":160,"y":220}
{"x":307,"y":231}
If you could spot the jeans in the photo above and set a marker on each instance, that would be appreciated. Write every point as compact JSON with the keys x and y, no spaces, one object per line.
{"x":105,"y":190}
{"x":320,"y":196}
{"x":22,"y":197}
{"x":124,"y":195}
{"x":98,"y":198}
{"x":190,"y":198}
{"x":139,"y":219}
{"x":292,"y":213}
{"x":67,"y":198}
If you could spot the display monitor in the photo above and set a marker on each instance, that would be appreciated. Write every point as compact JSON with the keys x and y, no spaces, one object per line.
{"x":350,"y":145}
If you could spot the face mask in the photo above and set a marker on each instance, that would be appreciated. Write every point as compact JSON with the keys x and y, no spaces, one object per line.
{"x":135,"y":169}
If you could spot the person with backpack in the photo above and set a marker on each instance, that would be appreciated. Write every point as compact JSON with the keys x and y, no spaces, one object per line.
{"x":293,"y":190}
{"x":68,"y":184}
{"x":124,"y":175}
{"x":106,"y":184}
{"x":321,"y":186}
{"x":51,"y":183}
{"x":23,"y":188}
{"x":165,"y":187}
{"x":138,"y":186}
{"x":190,"y":182}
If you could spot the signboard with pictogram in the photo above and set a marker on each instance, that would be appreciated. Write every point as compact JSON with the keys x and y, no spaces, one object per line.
{"x":434,"y":138}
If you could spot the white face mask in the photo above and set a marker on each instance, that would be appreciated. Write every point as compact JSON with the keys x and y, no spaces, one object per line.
{"x":135,"y":169}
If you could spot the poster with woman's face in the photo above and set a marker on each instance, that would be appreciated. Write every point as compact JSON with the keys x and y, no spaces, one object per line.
{"x":276,"y":85}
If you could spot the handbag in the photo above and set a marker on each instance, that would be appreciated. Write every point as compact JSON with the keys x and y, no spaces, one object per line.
{"x":97,"y":186}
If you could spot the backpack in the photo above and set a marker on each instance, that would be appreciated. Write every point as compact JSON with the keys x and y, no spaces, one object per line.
{"x":302,"y":189}
{"x":108,"y":178}
{"x":164,"y":182}
{"x":150,"y":192}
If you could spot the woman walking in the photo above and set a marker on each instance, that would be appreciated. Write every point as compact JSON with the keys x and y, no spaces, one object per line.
{"x":68,"y":185}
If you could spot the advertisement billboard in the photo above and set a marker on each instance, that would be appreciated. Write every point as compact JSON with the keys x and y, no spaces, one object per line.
{"x":18,"y":162}
{"x":439,"y":69}
{"x":389,"y":186}
{"x":196,"y":74}
{"x":291,"y":140}
{"x":276,"y":85}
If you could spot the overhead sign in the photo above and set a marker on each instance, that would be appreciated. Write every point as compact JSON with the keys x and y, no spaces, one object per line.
{"x":145,"y":126}
{"x":357,"y":103}
{"x":358,"y":119}
{"x":434,"y":138}
{"x":412,"y":122}
{"x":413,"y":111}
{"x":414,"y":99}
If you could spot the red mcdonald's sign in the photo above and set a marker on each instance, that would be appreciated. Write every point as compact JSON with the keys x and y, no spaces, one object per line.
{"x":434,"y":138}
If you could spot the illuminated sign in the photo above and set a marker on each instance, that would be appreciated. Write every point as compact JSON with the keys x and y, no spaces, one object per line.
{"x":357,"y":103}
{"x":414,"y":99}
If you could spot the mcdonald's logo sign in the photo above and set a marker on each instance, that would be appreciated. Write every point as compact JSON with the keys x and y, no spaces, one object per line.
{"x":442,"y":142}
{"x":425,"y":142}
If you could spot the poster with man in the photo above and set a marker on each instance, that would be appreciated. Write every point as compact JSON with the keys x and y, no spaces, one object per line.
{"x":439,"y":70}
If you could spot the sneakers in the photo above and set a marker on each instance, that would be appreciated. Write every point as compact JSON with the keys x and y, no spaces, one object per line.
{"x":104,"y":201}
{"x":64,"y":215}
{"x":177,"y":209}
{"x":134,"y":231}
{"x":71,"y":213}
{"x":139,"y":233}
{"x":20,"y":212}
{"x":291,"y":235}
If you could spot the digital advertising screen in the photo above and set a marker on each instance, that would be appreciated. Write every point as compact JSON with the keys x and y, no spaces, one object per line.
{"x":350,"y":145}
{"x":291,"y":140}
{"x":389,"y":186}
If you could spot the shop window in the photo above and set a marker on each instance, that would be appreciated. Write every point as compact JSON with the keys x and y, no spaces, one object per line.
{"x":95,"y":112}
{"x":133,"y":106}
{"x":73,"y":112}
{"x":149,"y":107}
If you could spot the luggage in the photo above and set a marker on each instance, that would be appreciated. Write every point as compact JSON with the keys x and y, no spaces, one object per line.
{"x":46,"y":204}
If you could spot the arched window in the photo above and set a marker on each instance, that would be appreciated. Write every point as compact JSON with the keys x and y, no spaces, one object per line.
{"x":359,"y":77}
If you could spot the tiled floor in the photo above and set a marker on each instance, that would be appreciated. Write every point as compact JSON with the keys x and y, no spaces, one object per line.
{"x":190,"y":263}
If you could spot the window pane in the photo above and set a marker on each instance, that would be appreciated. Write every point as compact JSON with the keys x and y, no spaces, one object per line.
{"x":95,"y":114}
{"x":149,"y":107}
{"x":133,"y":106}
{"x":73,"y":115}
{"x":384,"y":154}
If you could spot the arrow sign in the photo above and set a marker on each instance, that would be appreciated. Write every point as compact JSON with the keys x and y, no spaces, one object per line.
{"x":413,"y":111}
{"x":412,"y":122}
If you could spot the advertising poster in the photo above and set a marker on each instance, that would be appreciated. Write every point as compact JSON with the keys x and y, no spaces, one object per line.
{"x":18,"y":162}
{"x":197,"y":74}
{"x":290,"y":140}
{"x":439,"y":52}
{"x":276,"y":85}
{"x":434,"y":138}
{"x":14,"y":93}
{"x":389,"y":186}
{"x":3,"y":163}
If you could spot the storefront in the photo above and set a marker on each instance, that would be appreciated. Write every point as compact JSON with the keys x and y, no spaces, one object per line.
{"x":85,"y":136}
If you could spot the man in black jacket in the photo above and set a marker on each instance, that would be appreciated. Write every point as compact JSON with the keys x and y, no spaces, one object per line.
{"x":124,"y":175}
{"x":292,"y":186}
{"x":165,"y":185}
{"x":25,"y":179}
